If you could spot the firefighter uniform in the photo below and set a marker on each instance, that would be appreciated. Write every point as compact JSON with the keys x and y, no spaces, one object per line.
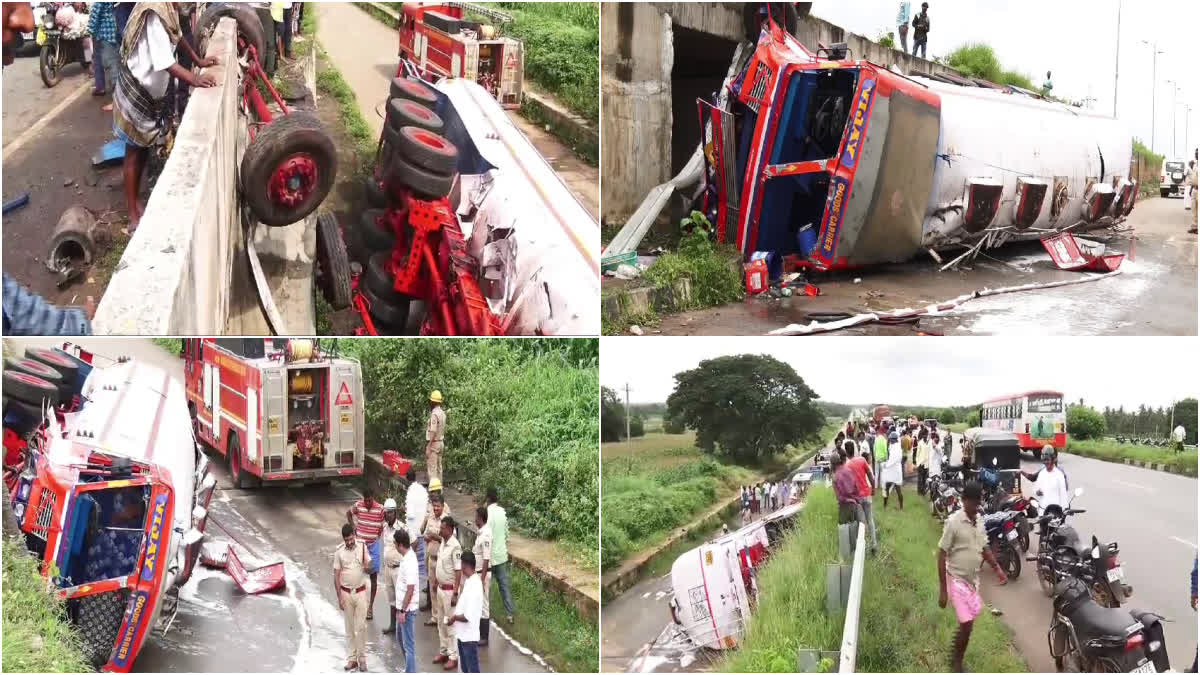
{"x":353,"y":588}
{"x":431,"y":527}
{"x":435,"y":432}
{"x":448,"y":564}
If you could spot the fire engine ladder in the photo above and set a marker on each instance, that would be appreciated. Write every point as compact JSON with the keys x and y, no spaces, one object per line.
{"x":494,"y":15}
{"x":656,"y":200}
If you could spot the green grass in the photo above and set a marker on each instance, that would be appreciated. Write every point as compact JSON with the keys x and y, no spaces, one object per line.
{"x":37,"y":637}
{"x":902,"y":629}
{"x":548,"y":625}
{"x":173,"y":346}
{"x":1112,"y":451}
{"x":957,"y":427}
{"x":653,"y":485}
{"x":331,"y":82}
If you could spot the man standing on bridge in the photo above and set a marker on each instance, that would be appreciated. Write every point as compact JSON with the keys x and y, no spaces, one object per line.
{"x":350,"y":583}
{"x":499,"y":565}
{"x":964,"y":545}
{"x":448,"y":573}
{"x":921,"y":30}
{"x":434,"y":433}
{"x":416,"y":505}
{"x":431,"y":533}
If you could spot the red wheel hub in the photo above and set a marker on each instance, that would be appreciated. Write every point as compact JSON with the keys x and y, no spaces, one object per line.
{"x":430,"y":139}
{"x":294,"y":180}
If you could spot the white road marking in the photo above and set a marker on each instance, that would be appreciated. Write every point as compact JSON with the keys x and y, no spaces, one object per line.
{"x":1184,"y":541}
{"x":1136,"y":485}
{"x":35,"y":130}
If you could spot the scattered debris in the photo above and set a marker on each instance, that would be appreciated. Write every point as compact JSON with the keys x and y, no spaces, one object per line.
{"x":1068,"y":253}
{"x":259,"y":579}
{"x":626,"y":271}
{"x":635,"y":329}
{"x":858,"y":280}
{"x":17,"y":203}
{"x":67,"y":182}
{"x":72,"y":244}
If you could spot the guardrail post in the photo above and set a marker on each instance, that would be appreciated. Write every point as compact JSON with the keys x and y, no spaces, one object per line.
{"x":849,"y":651}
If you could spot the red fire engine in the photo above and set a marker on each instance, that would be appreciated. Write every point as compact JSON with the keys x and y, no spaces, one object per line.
{"x":279,"y":410}
{"x":441,"y":43}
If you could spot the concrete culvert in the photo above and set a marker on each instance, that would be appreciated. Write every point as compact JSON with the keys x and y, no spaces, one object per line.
{"x":73,"y":240}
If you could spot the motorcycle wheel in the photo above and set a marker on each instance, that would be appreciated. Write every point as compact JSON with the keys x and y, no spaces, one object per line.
{"x":1023,"y":541}
{"x":1011,"y":563}
{"x":50,"y":64}
{"x":1046,"y":579}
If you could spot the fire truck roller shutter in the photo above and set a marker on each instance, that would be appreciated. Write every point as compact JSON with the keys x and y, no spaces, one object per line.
{"x":252,"y":431}
{"x":275,"y":418}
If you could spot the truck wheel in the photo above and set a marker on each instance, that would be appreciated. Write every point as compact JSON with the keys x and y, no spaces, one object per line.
{"x":30,"y":414}
{"x":389,"y":317}
{"x":59,"y":362}
{"x":403,"y":113}
{"x":249,"y":28}
{"x":50,"y":64}
{"x":288,"y":169}
{"x":375,"y":196}
{"x":375,"y":236}
{"x":238,"y":475}
{"x":382,"y":282}
{"x":424,"y":183}
{"x":40,"y":370}
{"x":784,"y":14}
{"x":428,"y":150}
{"x":29,"y":389}
{"x":412,"y":90}
{"x":334,"y":262}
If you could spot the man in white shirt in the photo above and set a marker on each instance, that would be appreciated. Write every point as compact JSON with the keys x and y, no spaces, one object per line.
{"x":416,"y":500}
{"x":407,"y":579}
{"x":483,"y":559}
{"x":1177,"y":436}
{"x":140,"y":105}
{"x":1050,"y":484}
{"x":467,"y":614}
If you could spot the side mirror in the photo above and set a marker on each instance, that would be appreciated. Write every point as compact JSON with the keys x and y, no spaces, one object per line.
{"x":1078,"y":492}
{"x":995,"y":461}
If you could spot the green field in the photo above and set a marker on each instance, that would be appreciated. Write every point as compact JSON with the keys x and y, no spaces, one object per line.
{"x":1112,"y":451}
{"x":902,"y":628}
{"x":654,"y":484}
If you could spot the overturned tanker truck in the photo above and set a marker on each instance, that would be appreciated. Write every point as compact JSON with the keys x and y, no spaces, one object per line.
{"x":831,"y":162}
{"x":108,"y":489}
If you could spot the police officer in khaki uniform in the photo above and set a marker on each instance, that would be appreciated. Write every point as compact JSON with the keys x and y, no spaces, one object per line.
{"x":431,"y":530}
{"x":391,"y":559}
{"x":434,"y":433}
{"x":350,"y":562}
{"x":448,"y":570}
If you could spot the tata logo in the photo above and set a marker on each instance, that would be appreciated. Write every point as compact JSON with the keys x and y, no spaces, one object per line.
{"x":850,"y":156}
{"x":154,"y":545}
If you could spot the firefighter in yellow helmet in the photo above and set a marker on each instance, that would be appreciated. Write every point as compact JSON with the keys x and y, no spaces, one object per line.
{"x":434,"y":434}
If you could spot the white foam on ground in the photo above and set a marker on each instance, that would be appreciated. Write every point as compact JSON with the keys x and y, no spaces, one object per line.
{"x":522,"y":648}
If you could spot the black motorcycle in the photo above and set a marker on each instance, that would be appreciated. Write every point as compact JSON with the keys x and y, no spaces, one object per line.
{"x":1026,"y":514}
{"x":58,"y":50}
{"x":1062,"y":554}
{"x":1001,"y":528}
{"x":1090,"y":638}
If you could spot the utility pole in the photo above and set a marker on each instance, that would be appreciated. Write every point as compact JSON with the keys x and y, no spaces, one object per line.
{"x":628,"y":438}
{"x":1153,"y":90}
{"x":1117,"y":61}
{"x":1174,"y":106}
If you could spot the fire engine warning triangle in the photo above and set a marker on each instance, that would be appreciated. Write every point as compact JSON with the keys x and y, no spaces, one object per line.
{"x":343,"y":397}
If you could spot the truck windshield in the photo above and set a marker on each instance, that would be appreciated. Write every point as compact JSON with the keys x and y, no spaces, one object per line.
{"x":816,"y":109}
{"x":105,"y":534}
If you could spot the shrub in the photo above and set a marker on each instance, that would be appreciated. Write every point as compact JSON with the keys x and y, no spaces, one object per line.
{"x":1084,"y":422}
{"x":637,"y":426}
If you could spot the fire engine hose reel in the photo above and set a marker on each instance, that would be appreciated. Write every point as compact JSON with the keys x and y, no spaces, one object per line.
{"x":301,"y":350}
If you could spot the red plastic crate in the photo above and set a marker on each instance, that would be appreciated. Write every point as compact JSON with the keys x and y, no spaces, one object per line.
{"x":393,"y":462}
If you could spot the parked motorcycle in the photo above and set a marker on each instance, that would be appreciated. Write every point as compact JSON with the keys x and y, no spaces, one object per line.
{"x":947,"y":501}
{"x":1001,"y":528}
{"x":64,"y":40}
{"x":1091,"y":638}
{"x":1061,"y":554}
{"x":1025,"y":512}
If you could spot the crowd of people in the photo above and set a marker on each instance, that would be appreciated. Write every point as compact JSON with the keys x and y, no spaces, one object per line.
{"x":764,"y":497}
{"x":415,"y":554}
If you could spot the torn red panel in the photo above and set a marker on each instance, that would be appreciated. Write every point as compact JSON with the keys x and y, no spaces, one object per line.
{"x":214,"y":555}
{"x":1064,"y":250}
{"x":258,"y":580}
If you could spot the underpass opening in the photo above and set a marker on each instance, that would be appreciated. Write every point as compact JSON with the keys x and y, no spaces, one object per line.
{"x":698,"y":69}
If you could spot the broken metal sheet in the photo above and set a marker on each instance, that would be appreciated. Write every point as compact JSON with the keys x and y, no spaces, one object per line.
{"x":258,"y":580}
{"x":1068,"y":254}
{"x":264,"y":289}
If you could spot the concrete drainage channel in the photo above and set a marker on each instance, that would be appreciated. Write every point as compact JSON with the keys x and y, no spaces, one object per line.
{"x":184,"y":271}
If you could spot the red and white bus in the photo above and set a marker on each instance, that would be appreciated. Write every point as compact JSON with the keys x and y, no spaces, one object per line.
{"x":1038,"y":418}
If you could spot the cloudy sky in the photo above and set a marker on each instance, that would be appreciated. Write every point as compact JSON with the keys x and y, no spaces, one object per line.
{"x":933,"y":371}
{"x":1076,"y":39}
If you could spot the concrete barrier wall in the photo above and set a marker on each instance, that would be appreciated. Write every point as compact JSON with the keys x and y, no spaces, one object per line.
{"x":174,"y":277}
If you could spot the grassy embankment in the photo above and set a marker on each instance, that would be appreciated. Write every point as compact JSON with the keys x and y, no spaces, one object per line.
{"x":37,"y":637}
{"x":662,"y":481}
{"x":902,"y":628}
{"x":1111,"y":451}
{"x":549,"y":625}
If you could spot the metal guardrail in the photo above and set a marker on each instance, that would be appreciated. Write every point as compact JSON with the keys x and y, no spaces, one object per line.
{"x":849,"y":650}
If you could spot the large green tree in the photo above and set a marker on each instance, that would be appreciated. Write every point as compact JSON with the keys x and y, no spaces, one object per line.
{"x":612,"y":416}
{"x":746,"y":407}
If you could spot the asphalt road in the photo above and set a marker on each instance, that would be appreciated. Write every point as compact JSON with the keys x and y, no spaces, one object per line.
{"x":1154,"y":295}
{"x":300,"y":630}
{"x":365,"y":52}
